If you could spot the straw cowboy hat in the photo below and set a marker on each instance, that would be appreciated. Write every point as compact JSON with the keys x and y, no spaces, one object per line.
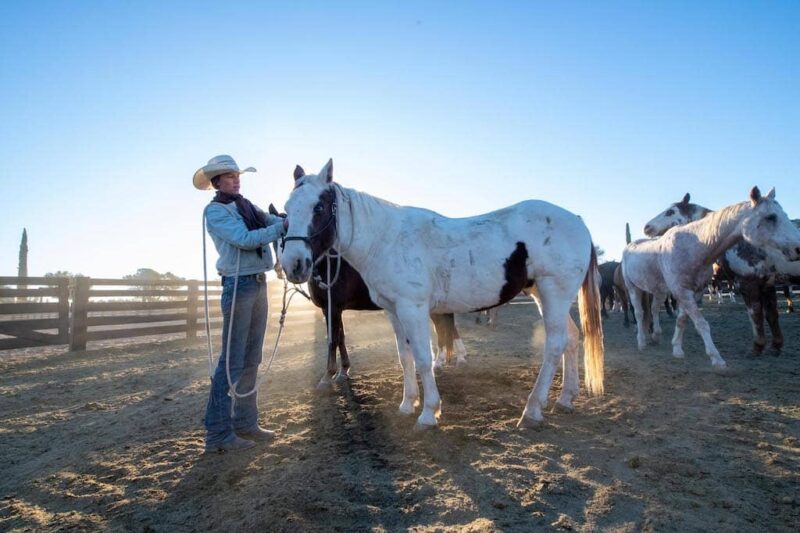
{"x":221,"y":164}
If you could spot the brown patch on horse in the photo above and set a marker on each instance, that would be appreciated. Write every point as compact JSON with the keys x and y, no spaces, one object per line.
{"x":516,"y":273}
{"x":750,"y":254}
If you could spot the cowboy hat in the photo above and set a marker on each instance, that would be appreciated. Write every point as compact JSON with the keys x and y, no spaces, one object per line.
{"x":221,"y":164}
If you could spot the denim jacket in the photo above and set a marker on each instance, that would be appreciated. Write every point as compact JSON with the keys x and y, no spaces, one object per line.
{"x":230,"y":234}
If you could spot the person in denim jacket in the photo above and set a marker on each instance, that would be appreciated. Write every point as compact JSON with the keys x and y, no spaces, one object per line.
{"x":241,"y":233}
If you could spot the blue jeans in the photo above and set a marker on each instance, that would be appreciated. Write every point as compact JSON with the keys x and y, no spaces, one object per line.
{"x":247,"y":339}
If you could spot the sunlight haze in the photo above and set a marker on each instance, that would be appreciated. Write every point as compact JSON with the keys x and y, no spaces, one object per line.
{"x":612,"y":110}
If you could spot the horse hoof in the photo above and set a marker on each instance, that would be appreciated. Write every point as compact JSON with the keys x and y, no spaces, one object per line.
{"x":407,"y":409}
{"x":526,"y":422}
{"x":325,"y":386}
{"x":678,"y":354}
{"x":721,"y":369}
{"x":341,"y":379}
{"x":559,"y":407}
{"x":424,"y":427}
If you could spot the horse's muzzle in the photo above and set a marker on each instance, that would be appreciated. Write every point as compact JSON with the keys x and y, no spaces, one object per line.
{"x":299,"y":271}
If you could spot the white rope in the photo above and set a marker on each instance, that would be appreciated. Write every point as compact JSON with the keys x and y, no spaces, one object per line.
{"x":211,"y":365}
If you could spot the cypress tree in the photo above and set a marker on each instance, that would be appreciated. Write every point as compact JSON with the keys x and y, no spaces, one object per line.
{"x":22,"y":269}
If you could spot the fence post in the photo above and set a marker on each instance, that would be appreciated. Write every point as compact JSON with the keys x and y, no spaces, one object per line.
{"x":63,"y":309}
{"x":191,"y":308}
{"x":80,"y":314}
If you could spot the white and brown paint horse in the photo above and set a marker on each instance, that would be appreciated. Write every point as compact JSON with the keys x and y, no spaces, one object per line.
{"x":680,"y":260}
{"x":415,"y":262}
{"x":755,"y":272}
{"x":349,"y":292}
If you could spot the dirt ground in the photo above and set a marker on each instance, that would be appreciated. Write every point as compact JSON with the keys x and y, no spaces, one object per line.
{"x":112,"y":438}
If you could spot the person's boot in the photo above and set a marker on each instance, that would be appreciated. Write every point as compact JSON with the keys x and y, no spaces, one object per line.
{"x":233,"y":444}
{"x":258,"y":434}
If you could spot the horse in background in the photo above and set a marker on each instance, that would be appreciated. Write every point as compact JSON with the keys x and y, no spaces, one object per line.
{"x":676,"y":214}
{"x":349,"y":292}
{"x":755,"y":272}
{"x":680,"y":261}
{"x":607,"y":270}
{"x":415,"y":262}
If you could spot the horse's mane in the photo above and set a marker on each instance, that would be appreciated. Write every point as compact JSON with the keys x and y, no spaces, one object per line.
{"x":716,"y":224}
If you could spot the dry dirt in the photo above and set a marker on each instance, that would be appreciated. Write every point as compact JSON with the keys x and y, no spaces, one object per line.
{"x":112,"y":438}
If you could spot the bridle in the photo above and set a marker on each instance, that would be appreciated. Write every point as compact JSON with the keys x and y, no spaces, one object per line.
{"x":325,"y":285}
{"x":307,"y":240}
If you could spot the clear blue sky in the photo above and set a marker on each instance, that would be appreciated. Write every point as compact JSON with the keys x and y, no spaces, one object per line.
{"x":609,"y":109}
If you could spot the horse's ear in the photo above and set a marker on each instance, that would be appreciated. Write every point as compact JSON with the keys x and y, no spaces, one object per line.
{"x":299,"y":172}
{"x":755,"y":195}
{"x":685,"y":199}
{"x":771,"y":194}
{"x":327,"y":171}
{"x":272,"y":210}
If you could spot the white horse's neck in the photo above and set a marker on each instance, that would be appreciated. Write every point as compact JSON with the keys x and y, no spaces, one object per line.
{"x":354,"y":244}
{"x":720,"y":230}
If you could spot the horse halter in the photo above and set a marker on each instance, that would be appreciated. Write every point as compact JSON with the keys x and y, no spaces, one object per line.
{"x":317,"y":233}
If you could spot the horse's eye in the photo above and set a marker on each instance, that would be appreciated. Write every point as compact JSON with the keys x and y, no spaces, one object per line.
{"x":773,"y":218}
{"x":669,"y":212}
{"x":319,"y":208}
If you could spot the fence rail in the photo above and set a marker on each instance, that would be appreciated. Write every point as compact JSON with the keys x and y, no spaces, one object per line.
{"x":37,"y":311}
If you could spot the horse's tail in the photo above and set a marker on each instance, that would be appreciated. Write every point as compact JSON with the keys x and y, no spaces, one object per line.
{"x":589,"y":307}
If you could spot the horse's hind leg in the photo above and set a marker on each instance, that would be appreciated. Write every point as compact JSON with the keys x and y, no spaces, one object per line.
{"x":554,"y":304}
{"x":410,"y":387}
{"x":636,"y":297}
{"x":655,"y":309}
{"x":570,"y":382}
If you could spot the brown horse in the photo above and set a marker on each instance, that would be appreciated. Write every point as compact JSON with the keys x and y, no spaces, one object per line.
{"x":349,"y":292}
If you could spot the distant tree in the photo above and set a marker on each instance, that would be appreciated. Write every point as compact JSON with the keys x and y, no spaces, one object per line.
{"x":150,"y":275}
{"x":627,"y":233}
{"x":22,"y":268}
{"x":63,"y":274}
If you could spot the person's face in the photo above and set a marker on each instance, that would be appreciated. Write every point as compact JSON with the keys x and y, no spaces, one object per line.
{"x":229,"y":183}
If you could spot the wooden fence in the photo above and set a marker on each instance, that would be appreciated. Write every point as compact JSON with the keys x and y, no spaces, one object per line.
{"x":51,"y":311}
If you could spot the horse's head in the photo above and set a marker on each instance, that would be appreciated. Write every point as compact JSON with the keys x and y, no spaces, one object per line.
{"x":311,"y":209}
{"x":767,"y":226}
{"x":677,"y":214}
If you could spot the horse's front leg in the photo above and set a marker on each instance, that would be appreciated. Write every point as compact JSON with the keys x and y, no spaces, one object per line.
{"x":410,"y":387}
{"x":414,"y":320}
{"x":771,"y":312}
{"x":677,"y":337}
{"x":344,"y":369}
{"x":326,"y":382}
{"x":751,"y":291}
{"x":686,"y":302}
{"x":458,"y":345}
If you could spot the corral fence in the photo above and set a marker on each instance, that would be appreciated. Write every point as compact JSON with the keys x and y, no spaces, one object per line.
{"x":44,"y":311}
